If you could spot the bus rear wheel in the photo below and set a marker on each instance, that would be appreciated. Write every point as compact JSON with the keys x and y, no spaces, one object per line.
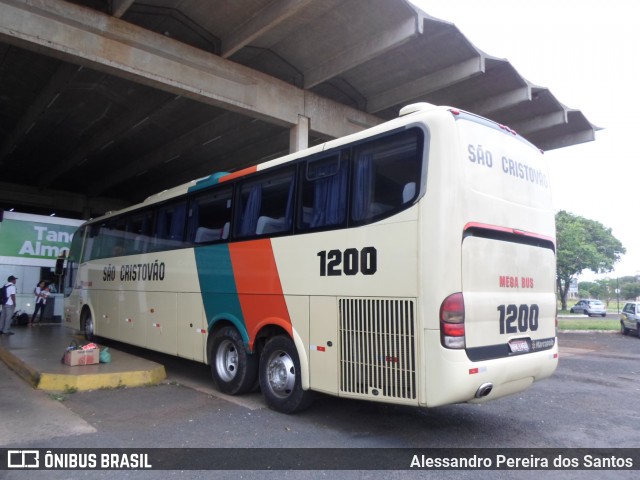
{"x":233,"y":369}
{"x":280,"y":379}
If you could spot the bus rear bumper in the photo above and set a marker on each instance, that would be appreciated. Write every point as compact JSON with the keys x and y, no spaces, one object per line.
{"x":479,"y":382}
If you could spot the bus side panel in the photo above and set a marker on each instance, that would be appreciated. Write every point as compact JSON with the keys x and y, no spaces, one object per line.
{"x":374,"y":268}
{"x":160,"y":321}
{"x":192,"y":327}
{"x":73,"y":304}
{"x":132,"y":328}
{"x":323,"y":344}
{"x":259,"y":288}
{"x":377,"y":260}
{"x":107,"y":313}
{"x":299,"y":310}
{"x":240,"y":283}
{"x":218,"y":287}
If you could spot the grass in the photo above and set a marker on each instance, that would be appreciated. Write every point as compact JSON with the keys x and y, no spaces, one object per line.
{"x":593,"y":323}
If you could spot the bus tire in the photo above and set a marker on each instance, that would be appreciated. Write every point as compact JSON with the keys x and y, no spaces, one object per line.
{"x":280,"y":380}
{"x":234,"y":370}
{"x":88,"y":327}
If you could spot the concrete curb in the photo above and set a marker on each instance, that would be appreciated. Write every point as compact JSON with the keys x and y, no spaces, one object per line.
{"x":41,"y":367}
{"x":85,"y":382}
{"x":31,"y":375}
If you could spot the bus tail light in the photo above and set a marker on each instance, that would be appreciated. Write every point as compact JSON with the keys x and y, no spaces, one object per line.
{"x":452,"y":332}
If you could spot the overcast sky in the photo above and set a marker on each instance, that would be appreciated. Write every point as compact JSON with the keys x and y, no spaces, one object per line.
{"x":587,"y":52}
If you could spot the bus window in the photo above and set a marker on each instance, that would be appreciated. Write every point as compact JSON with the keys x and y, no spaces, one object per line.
{"x":107,"y":239}
{"x":210,"y":217}
{"x":386,"y":173}
{"x":92,"y":249}
{"x":266,"y":205}
{"x":170,"y":226}
{"x":100,"y":242}
{"x":139,"y":233}
{"x":324,"y":193}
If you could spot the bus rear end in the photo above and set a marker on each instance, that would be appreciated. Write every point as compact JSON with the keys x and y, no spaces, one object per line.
{"x":490,"y":316}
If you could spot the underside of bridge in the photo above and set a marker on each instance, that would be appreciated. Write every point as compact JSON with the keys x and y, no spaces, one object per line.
{"x":104,"y":102}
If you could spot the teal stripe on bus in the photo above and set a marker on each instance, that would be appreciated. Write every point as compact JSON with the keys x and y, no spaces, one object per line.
{"x":218,"y":287}
{"x":209,"y":181}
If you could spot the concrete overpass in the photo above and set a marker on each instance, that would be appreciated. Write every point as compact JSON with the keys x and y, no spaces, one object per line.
{"x":103,"y":102}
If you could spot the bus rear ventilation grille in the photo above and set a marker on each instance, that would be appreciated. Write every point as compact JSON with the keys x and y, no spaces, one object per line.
{"x":377,"y":347}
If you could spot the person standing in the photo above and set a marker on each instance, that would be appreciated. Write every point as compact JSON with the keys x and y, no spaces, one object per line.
{"x":42,"y":293}
{"x":8,"y":306}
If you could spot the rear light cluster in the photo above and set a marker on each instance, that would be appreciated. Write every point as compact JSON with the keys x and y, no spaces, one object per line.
{"x":452,"y":334}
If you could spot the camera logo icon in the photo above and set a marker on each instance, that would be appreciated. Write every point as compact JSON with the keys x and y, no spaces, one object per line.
{"x":23,"y":459}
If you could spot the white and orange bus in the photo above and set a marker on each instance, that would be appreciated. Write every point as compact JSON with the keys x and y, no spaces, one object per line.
{"x":411,"y":263}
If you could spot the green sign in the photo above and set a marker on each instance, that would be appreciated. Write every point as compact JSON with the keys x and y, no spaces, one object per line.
{"x":37,"y":240}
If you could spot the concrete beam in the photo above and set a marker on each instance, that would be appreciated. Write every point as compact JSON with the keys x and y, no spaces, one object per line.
{"x":573,"y":138}
{"x":262,"y":21}
{"x":362,"y":51}
{"x":333,"y":120}
{"x":490,"y":105}
{"x":299,"y":135}
{"x":540,"y":122}
{"x":57,"y":200}
{"x":84,"y":36}
{"x":427,"y":84}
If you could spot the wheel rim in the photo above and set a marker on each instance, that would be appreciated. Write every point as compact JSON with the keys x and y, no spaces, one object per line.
{"x":227,"y":361}
{"x":281,"y":374}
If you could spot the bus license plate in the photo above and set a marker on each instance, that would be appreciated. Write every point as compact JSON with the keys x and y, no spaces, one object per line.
{"x":519,"y":346}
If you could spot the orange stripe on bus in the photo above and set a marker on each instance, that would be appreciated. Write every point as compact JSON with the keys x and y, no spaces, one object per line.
{"x":239,"y":173}
{"x":258,"y":286}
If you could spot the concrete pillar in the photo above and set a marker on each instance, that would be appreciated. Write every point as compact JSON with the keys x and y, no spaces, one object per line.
{"x":299,"y":134}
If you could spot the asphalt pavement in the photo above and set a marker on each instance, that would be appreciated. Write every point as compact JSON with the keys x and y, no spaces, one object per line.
{"x":584,"y":405}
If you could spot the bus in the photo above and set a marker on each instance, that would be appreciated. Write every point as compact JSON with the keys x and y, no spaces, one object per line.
{"x":411,"y":263}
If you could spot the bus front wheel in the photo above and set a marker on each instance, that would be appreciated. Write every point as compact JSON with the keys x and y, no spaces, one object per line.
{"x":233,"y":369}
{"x":88,"y":327}
{"x":280,"y":380}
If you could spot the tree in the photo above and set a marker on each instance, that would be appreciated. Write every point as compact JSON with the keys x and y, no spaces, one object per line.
{"x":588,"y":289}
{"x":630,"y":291}
{"x":592,"y":290}
{"x":582,"y":244}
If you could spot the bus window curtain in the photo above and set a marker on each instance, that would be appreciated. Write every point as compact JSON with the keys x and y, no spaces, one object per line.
{"x":330,"y":199}
{"x":251,"y":212}
{"x":362,"y":187}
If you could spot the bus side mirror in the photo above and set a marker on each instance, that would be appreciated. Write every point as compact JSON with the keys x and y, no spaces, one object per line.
{"x":59,"y":267}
